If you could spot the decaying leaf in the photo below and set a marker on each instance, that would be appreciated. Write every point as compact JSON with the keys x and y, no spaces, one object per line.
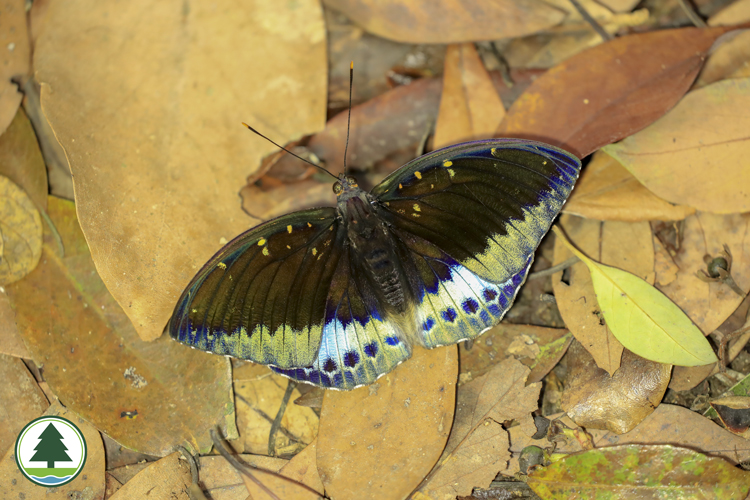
{"x":395,"y":429}
{"x":643,"y":319}
{"x":449,"y":21}
{"x":20,"y":231}
{"x":731,"y":59}
{"x":148,"y":110}
{"x":697,"y":153}
{"x":626,"y":245}
{"x":596,"y":400}
{"x":167,"y":478}
{"x":94,"y":361}
{"x":607,"y":191}
{"x":14,"y":39}
{"x":610,"y":91}
{"x":88,"y":484}
{"x":21,"y":160}
{"x":470,"y":108}
{"x":640,"y":471}
{"x":478,"y":446}
{"x":21,"y":400}
{"x":735,"y":13}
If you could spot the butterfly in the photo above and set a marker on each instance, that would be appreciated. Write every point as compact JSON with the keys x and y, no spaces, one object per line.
{"x":433,"y":255}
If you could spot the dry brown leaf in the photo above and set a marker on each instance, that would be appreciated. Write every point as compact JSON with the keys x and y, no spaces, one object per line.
{"x":14,"y":40}
{"x":735,"y":13}
{"x":679,"y":426}
{"x":731,"y":59}
{"x":88,"y":484}
{"x":449,"y":21}
{"x":167,"y":479}
{"x":21,"y":400}
{"x":470,"y":108}
{"x":618,"y":403}
{"x":707,"y":304}
{"x":494,"y":345}
{"x":157,"y":151}
{"x":222,"y":481}
{"x":607,"y":191}
{"x":478,"y":446}
{"x":610,"y":91}
{"x":11,"y":342}
{"x":258,"y":398}
{"x":620,"y":5}
{"x":626,"y":245}
{"x":303,"y":468}
{"x":22,"y":162}
{"x":295,"y":471}
{"x":96,"y":363}
{"x":20,"y":231}
{"x":696,"y":154}
{"x":381,"y":440}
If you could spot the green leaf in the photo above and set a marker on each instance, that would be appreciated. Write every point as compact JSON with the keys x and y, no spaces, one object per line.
{"x":639,"y":471}
{"x":643,"y":319}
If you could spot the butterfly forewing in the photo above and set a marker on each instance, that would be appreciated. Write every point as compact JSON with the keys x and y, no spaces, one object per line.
{"x":263,"y":296}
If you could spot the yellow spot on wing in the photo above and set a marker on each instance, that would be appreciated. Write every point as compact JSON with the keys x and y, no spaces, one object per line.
{"x":289,"y":247}
{"x":289,"y":229}
{"x":315,"y":251}
{"x":418,"y":175}
{"x":447,"y":163}
{"x":416,"y":207}
{"x":261,"y":242}
{"x":400,"y":186}
{"x":493,"y":150}
{"x":309,"y":225}
{"x":265,"y":250}
{"x":451,"y":172}
{"x":195,"y":311}
{"x":222,"y":265}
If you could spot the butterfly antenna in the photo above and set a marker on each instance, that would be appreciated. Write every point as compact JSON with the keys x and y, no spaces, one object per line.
{"x":349,"y":119}
{"x":285,"y":149}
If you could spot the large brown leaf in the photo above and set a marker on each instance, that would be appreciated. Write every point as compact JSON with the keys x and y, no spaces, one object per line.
{"x":146,"y":99}
{"x":610,"y":91}
{"x":449,"y":21}
{"x":14,"y":38}
{"x":95,"y":363}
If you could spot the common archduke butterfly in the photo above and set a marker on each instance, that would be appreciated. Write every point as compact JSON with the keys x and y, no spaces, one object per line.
{"x":433,"y":255}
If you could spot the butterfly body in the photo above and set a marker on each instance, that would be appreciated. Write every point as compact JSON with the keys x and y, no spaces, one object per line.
{"x":433,"y":255}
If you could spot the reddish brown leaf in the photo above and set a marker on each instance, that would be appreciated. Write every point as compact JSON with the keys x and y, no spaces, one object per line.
{"x":610,"y":91}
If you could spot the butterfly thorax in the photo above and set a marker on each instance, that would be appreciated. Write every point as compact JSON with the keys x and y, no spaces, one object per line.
{"x":371,"y":242}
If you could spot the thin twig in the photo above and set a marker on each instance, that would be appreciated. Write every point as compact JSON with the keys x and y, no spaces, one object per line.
{"x":554,"y":269}
{"x":692,"y":14}
{"x":279,"y":415}
{"x":724,"y":346}
{"x":504,"y":66}
{"x":587,"y":17}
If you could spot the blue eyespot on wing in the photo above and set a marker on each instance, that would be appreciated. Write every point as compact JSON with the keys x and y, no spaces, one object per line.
{"x":263,"y":296}
{"x":358,"y":343}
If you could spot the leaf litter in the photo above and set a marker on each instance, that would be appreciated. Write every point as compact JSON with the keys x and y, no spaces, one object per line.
{"x":172,"y":163}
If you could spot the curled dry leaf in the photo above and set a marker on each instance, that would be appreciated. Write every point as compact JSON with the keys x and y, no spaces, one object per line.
{"x":708,"y":304}
{"x":731,"y":59}
{"x":478,"y":446}
{"x":735,"y":13}
{"x":681,"y":427}
{"x":697,"y":153}
{"x":734,"y":412}
{"x":20,"y":397}
{"x":21,"y":160}
{"x":622,"y":244}
{"x":610,"y":91}
{"x":640,"y":471}
{"x":381,"y":440}
{"x":14,"y":39}
{"x":607,"y":191}
{"x":449,"y":21}
{"x":470,"y":108}
{"x":258,"y":400}
{"x":94,"y":361}
{"x":594,"y":399}
{"x":643,"y":319}
{"x":20,"y":231}
{"x":167,"y":478}
{"x":157,"y":152}
{"x":89,"y":482}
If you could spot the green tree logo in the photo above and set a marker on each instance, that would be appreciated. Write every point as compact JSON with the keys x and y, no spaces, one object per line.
{"x":50,"y":449}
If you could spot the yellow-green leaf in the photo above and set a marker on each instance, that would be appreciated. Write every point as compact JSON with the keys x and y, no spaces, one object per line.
{"x":643,"y":319}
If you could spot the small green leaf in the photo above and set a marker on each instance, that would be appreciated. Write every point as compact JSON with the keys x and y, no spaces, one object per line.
{"x":643,"y":319}
{"x":640,"y":471}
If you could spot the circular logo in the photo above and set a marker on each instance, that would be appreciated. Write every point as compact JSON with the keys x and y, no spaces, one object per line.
{"x":50,"y":451}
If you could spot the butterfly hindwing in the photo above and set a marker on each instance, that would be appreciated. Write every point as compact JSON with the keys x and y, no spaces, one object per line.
{"x":263,"y":296}
{"x":359,"y":344}
{"x":471,"y":217}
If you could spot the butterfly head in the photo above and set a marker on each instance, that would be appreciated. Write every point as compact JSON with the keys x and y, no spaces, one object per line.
{"x":346,"y":187}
